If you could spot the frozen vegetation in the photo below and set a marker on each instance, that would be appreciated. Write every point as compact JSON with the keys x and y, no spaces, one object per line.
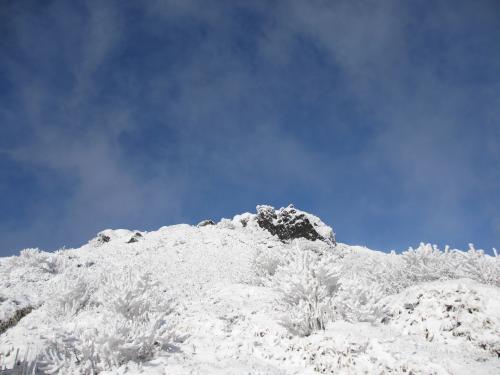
{"x":265,"y":293}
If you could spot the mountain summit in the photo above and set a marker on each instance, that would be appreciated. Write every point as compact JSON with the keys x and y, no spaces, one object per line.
{"x":289,"y":223}
{"x":270,"y":292}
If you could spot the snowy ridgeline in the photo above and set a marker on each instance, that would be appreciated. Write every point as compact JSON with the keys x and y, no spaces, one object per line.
{"x":265,"y":293}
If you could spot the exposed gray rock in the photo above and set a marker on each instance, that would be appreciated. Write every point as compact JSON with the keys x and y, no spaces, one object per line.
{"x":289,"y":223}
{"x":14,"y":319}
{"x":102,"y":238}
{"x":204,"y":223}
{"x":135,"y":237}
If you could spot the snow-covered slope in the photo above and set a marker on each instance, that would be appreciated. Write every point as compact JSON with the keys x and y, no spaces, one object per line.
{"x":264,"y":293}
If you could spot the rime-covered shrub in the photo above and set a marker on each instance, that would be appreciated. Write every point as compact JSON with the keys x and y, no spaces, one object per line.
{"x":226,"y":223}
{"x":34,"y":258}
{"x":133,"y":321}
{"x":132,"y":295}
{"x":111,"y":343}
{"x":319,"y":284}
{"x":386,"y":271}
{"x":265,"y":263}
{"x":336,"y":355}
{"x":393,"y":273}
{"x":70,"y":297}
{"x":428,"y":263}
{"x":476,"y":265}
{"x":449,"y":311}
{"x":307,"y":283}
{"x":266,"y":260}
{"x":22,"y":363}
{"x":359,"y":301}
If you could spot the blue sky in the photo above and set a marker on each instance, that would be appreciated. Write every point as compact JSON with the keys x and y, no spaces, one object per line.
{"x":381,"y":117}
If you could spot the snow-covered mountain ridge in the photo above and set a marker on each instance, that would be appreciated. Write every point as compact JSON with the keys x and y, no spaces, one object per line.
{"x":264,"y":293}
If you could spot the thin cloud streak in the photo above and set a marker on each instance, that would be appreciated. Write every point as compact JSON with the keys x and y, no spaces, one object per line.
{"x":143,"y":147}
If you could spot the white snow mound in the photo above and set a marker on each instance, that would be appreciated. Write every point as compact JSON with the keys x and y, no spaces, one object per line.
{"x":264,"y":293}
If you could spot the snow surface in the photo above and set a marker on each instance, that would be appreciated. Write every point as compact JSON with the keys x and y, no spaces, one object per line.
{"x":231,"y":298}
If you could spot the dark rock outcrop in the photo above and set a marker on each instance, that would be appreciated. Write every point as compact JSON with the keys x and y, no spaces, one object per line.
{"x":14,"y":319}
{"x":289,"y":223}
{"x":204,"y":223}
{"x":102,"y":238}
{"x":135,"y":238}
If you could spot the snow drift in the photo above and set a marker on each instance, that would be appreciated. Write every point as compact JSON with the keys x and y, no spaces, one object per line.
{"x":264,"y":293}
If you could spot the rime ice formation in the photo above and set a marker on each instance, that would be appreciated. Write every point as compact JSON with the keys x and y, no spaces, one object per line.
{"x":264,"y":293}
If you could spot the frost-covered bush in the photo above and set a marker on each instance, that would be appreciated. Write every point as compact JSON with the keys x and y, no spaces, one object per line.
{"x":386,"y":271}
{"x":359,"y":300}
{"x":425,"y":263}
{"x":478,"y":266}
{"x":336,"y":355}
{"x":70,"y":297}
{"x":226,"y":223}
{"x":318,"y":283}
{"x":393,"y":273}
{"x":132,"y":321}
{"x":113,"y":342}
{"x":449,"y":311}
{"x":428,"y":263}
{"x":366,"y":278}
{"x":266,"y":260}
{"x":34,"y":258}
{"x":22,"y":364}
{"x":132,"y":295}
{"x":265,"y":263}
{"x":307,"y":283}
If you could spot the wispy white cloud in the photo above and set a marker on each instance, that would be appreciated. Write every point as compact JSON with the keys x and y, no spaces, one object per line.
{"x":224,"y":109}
